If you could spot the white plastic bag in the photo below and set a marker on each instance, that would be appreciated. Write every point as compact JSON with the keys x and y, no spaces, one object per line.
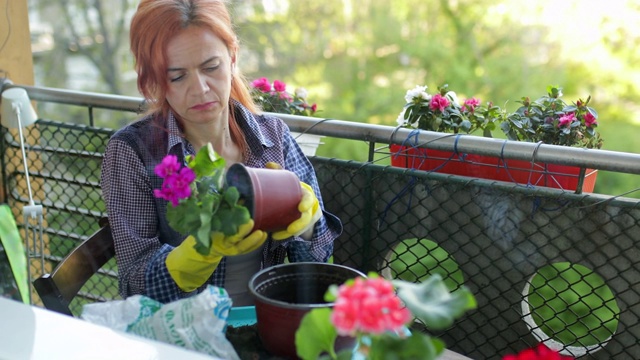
{"x":195,"y":323}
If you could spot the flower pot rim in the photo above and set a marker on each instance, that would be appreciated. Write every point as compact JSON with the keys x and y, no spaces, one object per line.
{"x":286,"y":305}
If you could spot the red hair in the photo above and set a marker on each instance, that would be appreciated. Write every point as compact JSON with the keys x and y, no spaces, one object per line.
{"x":152,"y":27}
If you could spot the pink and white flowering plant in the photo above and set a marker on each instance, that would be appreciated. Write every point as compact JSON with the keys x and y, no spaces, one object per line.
{"x":377,"y":313}
{"x":550,"y":120}
{"x":442,"y":112}
{"x":547,"y":119}
{"x":274,"y":97}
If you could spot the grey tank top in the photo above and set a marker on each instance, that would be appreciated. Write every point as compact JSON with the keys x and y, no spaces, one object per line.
{"x":239,"y":271}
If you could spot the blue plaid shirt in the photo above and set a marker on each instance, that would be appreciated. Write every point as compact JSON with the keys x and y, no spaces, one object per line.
{"x":136,"y":216}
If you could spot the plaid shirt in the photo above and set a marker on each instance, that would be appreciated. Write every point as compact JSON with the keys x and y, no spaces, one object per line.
{"x":137,"y":217}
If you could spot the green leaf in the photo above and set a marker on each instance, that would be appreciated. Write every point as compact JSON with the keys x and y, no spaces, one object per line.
{"x":232,"y":218}
{"x":416,"y":346}
{"x":205,"y":162}
{"x":203,"y":231}
{"x":466,"y":126}
{"x":185,"y":217}
{"x":231,"y":195}
{"x":216,"y":224}
{"x":315,"y":335}
{"x":431,"y":301}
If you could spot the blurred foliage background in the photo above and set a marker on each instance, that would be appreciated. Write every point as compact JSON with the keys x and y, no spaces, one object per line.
{"x":358,"y":58}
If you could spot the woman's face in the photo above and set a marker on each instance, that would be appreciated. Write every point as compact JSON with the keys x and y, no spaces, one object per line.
{"x":199,"y":76}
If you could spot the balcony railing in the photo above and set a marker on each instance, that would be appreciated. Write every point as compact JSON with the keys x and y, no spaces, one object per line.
{"x":544,"y":264}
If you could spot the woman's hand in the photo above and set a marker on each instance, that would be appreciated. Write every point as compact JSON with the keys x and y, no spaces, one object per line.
{"x":310,"y":213}
{"x":190,"y":269}
{"x":309,"y":208}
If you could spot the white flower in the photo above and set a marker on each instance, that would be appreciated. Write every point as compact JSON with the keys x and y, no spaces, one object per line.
{"x":453,"y":98}
{"x":301,"y":93}
{"x":400,"y":120}
{"x":419,"y":92}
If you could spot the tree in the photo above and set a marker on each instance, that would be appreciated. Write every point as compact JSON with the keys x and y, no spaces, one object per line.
{"x":96,"y":30}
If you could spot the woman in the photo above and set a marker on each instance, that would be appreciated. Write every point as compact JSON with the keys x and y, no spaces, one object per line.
{"x":185,"y":53}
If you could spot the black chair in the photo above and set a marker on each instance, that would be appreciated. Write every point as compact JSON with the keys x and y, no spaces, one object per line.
{"x":57,"y":289}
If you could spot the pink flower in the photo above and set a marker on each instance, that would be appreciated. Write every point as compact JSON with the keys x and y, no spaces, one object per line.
{"x":279,"y":86}
{"x":368,"y":306}
{"x":285,"y":96}
{"x":566,"y":120}
{"x":470,"y":104}
{"x":176,"y":186}
{"x":540,"y":352}
{"x":167,"y":194}
{"x":181,"y":181}
{"x":590,"y":120}
{"x":314,"y":107}
{"x":168,"y":166}
{"x":438,"y":102}
{"x":262,"y":84}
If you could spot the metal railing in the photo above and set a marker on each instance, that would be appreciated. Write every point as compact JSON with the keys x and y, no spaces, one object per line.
{"x":588,"y":158}
{"x":544,"y":264}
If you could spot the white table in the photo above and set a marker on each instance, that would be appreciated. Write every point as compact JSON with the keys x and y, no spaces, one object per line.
{"x":29,"y":332}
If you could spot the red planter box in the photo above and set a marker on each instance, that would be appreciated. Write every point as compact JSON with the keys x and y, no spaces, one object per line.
{"x":492,"y":168}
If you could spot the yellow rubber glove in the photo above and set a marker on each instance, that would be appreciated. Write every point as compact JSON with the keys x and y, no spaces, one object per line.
{"x":309,"y":208}
{"x":190,"y":269}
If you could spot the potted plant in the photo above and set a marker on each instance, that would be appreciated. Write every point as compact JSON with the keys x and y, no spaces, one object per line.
{"x":204,"y":198}
{"x":274,"y":97}
{"x":442,"y":112}
{"x":547,"y":120}
{"x":550,"y":120}
{"x":377,"y":313}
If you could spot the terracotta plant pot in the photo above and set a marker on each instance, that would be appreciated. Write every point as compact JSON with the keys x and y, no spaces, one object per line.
{"x":272,"y":196}
{"x":441,"y":161}
{"x":285,"y":293}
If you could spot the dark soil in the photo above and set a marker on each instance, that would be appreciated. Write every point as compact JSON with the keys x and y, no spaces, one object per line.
{"x":247,"y":343}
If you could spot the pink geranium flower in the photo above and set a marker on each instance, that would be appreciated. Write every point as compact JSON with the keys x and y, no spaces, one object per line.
{"x":368,"y":306}
{"x":438,"y":102}
{"x":168,"y":194}
{"x":176,"y":186}
{"x":168,"y":166}
{"x":540,"y":352}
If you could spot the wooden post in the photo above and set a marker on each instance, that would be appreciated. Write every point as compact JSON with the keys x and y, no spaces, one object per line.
{"x":16,"y":61}
{"x":16,"y":66}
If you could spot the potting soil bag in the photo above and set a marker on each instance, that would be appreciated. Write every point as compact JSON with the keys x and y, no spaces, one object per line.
{"x":195,"y":323}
